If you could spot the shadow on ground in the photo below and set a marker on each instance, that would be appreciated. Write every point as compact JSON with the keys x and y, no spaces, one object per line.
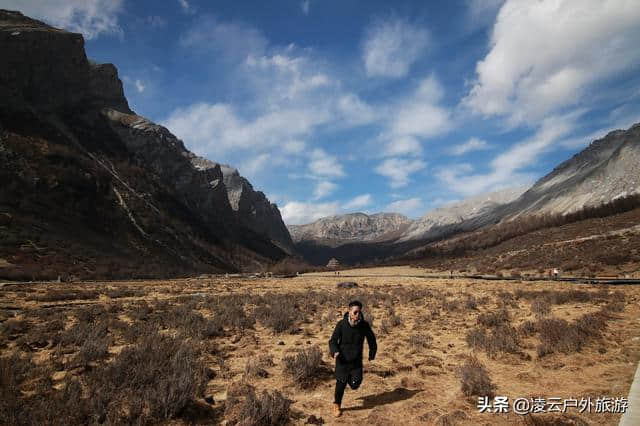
{"x":389,"y":397}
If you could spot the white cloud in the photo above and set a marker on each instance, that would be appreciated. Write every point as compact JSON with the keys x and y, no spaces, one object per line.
{"x":402,"y":145}
{"x":506,"y":169}
{"x":216,"y":129}
{"x":544,"y":55}
{"x":305,"y":6}
{"x":186,"y":7}
{"x":293,"y":146}
{"x":297,"y":213}
{"x":392,"y":46}
{"x":231,"y":41}
{"x":354,"y":111}
{"x":473,"y":144}
{"x":358,"y":202}
{"x":422,"y":120}
{"x":288,"y":75}
{"x":524,"y":153}
{"x":91,"y":18}
{"x":398,"y":170}
{"x":411,"y":207}
{"x":325,"y":165}
{"x":252,"y":166}
{"x":288,"y":92}
{"x":323,"y":189}
{"x":414,"y":118}
{"x":139,"y":86}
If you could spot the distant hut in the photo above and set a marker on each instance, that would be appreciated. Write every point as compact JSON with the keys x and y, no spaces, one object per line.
{"x":333,"y":263}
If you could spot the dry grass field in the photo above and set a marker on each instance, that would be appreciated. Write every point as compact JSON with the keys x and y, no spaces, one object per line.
{"x":254,"y":351}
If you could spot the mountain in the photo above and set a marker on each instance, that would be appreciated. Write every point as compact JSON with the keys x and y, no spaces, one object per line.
{"x":607,"y":169}
{"x":251,"y":207}
{"x":467,"y":214}
{"x":351,"y":227}
{"x":91,"y":189}
{"x":603,"y":172}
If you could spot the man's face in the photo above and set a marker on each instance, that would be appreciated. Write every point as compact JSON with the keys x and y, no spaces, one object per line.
{"x":354,"y":313}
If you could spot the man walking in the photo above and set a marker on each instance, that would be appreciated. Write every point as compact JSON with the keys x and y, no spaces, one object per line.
{"x":346,"y":346}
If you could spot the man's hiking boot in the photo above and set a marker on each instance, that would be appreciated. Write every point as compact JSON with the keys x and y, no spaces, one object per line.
{"x":336,"y":410}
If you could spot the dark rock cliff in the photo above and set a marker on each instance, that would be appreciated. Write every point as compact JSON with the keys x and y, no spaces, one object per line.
{"x":90,"y":189}
{"x":251,"y":207}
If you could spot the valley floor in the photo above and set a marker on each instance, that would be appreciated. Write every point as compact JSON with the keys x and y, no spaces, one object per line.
{"x":243,"y":330}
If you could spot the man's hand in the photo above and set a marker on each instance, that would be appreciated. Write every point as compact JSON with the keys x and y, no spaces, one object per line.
{"x":335,"y":356}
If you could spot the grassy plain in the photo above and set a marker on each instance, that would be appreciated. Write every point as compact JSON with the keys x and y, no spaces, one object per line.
{"x":204,"y":350}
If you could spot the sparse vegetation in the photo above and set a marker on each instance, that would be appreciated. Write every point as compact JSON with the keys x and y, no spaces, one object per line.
{"x":540,"y":307}
{"x":304,"y":367}
{"x":261,"y":409}
{"x":502,"y":338}
{"x":153,"y":356}
{"x":558,"y":335}
{"x":152,"y":380}
{"x":475,"y":380}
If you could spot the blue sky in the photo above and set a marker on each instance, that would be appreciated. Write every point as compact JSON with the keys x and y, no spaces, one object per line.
{"x":340,"y":106}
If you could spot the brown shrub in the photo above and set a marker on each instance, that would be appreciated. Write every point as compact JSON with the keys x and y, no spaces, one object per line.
{"x":304,"y":367}
{"x":391,"y":321}
{"x":82,"y":332}
{"x":502,"y":338}
{"x":540,"y":307}
{"x":264,"y":409}
{"x":256,"y":367}
{"x":93,"y":349}
{"x":12,"y":373}
{"x":493,"y":319}
{"x":475,"y":380}
{"x":121,"y":292}
{"x":229,"y":312}
{"x":14,"y":327}
{"x":557,"y":335}
{"x":570,"y":296}
{"x":191,"y":323}
{"x":420,"y":340}
{"x":65,"y":295}
{"x":527,"y":328}
{"x":618,"y":296}
{"x":471,"y":303}
{"x":90,"y":313}
{"x":148,"y":382}
{"x":614,"y":307}
{"x":279,"y":313}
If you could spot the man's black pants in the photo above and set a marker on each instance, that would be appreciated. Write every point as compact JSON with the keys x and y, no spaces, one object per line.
{"x":344,"y":376}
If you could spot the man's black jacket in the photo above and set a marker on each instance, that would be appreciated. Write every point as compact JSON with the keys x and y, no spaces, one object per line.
{"x":348,"y":340}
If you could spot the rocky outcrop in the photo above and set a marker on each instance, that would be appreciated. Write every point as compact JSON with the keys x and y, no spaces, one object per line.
{"x":47,"y":67}
{"x":352,"y":227}
{"x":251,"y":207}
{"x":92,"y":189}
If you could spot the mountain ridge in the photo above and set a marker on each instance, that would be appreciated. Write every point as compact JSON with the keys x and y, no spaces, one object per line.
{"x":91,"y":189}
{"x":351,"y":226}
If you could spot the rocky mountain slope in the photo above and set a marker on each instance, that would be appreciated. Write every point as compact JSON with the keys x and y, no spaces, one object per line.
{"x":92,"y":189}
{"x":252,"y":208}
{"x":467,"y":214}
{"x":607,"y":169}
{"x":352,"y":227}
